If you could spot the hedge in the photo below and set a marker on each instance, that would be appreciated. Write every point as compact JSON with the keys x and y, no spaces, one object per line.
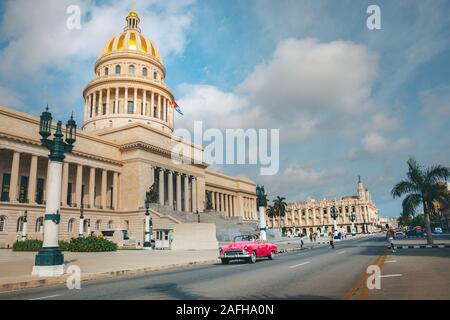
{"x":89,"y":244}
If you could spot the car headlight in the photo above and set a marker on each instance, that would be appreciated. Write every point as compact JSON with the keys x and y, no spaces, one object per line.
{"x":246,"y":247}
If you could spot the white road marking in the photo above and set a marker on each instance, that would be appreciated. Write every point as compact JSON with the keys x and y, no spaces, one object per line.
{"x":341,"y":252}
{"x":391,"y":275}
{"x":299,"y":265}
{"x":390,"y":261}
{"x":47,"y":297}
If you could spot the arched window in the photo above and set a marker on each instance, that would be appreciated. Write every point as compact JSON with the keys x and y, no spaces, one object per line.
{"x":98,"y":225}
{"x":86,"y":225}
{"x":20,"y":222}
{"x":110,"y":224}
{"x":39,"y":225}
{"x":155,"y":75}
{"x":117,"y":69}
{"x":2,"y":223}
{"x":131,"y":70}
{"x":70,"y":225}
{"x":106,"y":71}
{"x":144,"y":72}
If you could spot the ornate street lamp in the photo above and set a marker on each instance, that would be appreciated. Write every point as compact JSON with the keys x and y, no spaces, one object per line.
{"x":50,"y":261}
{"x":148,"y":223}
{"x":81,"y":226}
{"x":24,"y":226}
{"x":353,"y":218}
{"x":334,"y":215}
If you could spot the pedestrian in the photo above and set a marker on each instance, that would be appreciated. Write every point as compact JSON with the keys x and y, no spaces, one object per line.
{"x":310,"y":236}
{"x":315,"y":236}
{"x":330,"y":235}
{"x":390,"y":237}
{"x":302,"y":243}
{"x":170,"y":238}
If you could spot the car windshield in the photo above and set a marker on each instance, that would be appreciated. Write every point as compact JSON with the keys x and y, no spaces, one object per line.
{"x":244,"y":238}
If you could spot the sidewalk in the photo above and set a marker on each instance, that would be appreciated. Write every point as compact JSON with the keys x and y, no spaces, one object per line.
{"x":15,"y":267}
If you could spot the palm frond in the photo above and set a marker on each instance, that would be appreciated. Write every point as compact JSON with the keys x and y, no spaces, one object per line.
{"x":404,"y":187}
{"x":415,"y":174}
{"x":436,"y":174}
{"x":410,"y":203}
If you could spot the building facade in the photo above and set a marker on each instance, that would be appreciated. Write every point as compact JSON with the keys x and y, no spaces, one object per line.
{"x":315,"y":215}
{"x":124,"y":147}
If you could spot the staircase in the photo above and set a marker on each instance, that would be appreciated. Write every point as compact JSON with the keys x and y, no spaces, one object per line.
{"x":226,"y":227}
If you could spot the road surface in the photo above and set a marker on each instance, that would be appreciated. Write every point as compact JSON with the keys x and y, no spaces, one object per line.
{"x":321,"y":273}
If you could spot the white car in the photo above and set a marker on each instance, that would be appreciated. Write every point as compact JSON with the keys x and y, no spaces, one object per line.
{"x":399,"y":234}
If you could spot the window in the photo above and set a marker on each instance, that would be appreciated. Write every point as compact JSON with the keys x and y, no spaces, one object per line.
{"x":23,"y":189}
{"x":70,"y":225}
{"x":69,"y":194}
{"x":39,"y":225}
{"x":155,"y":75}
{"x":5,"y":187}
{"x":104,"y":109}
{"x":117,"y":69}
{"x":2,"y":223}
{"x":98,"y":224}
{"x":130,"y":109}
{"x":106,"y":71}
{"x":20,"y":222}
{"x":144,"y":72}
{"x":110,"y":224}
{"x":131,"y":70}
{"x":40,"y":191}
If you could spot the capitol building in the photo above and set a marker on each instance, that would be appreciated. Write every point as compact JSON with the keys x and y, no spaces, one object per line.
{"x":123,"y":146}
{"x":314,"y":216}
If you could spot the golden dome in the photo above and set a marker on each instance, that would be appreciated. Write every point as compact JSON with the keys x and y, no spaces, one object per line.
{"x":131,"y":39}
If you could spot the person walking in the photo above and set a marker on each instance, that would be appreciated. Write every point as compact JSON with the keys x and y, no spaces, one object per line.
{"x":310,"y":237}
{"x":390,"y":233}
{"x":330,"y":235}
{"x":315,"y":236}
{"x":302,"y":243}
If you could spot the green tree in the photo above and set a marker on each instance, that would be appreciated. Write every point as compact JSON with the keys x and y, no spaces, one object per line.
{"x":279,"y":206}
{"x":421,"y":189}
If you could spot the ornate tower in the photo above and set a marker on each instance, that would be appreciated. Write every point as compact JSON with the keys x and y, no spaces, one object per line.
{"x":129,"y":84}
{"x":360,"y":189}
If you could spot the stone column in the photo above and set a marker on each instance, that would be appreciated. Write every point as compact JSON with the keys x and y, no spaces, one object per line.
{"x":115,"y":190}
{"x":108,"y":97}
{"x":225,"y":204}
{"x":178,"y":177}
{"x":94,"y":104}
{"x":125,"y":101}
{"x":100,"y":102}
{"x":161,"y":186}
{"x":186,"y":193}
{"x":170,"y":187}
{"x":213,"y":200}
{"x":79,"y":184}
{"x":152,"y":104}
{"x":135,"y":106}
{"x":144,"y":102}
{"x":116,"y":105}
{"x":65,"y":181}
{"x":92,"y":187}
{"x":104,"y":185}
{"x":32,"y":180}
{"x":13,"y":185}
{"x":159,"y":107}
{"x":194,"y":194}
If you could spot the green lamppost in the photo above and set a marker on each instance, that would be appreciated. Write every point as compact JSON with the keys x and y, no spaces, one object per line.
{"x":334,"y":215}
{"x":24,"y":225}
{"x":81,"y":226}
{"x":148,"y":222}
{"x":50,"y":261}
{"x":353,"y":218}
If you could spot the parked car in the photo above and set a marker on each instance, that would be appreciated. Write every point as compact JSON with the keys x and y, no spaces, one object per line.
{"x":438,"y":230}
{"x":248,"y":248}
{"x":416,"y":232}
{"x":399,"y":234}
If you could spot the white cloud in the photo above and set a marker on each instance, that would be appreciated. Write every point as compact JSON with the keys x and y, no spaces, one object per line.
{"x":376,"y":143}
{"x":9,"y":98}
{"x":436,"y":102}
{"x":38,"y":38}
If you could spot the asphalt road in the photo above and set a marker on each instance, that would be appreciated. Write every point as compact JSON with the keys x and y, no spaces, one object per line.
{"x":321,"y":273}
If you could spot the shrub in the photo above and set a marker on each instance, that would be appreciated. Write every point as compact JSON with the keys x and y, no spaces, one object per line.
{"x":91,"y":244}
{"x":27,"y":245}
{"x":64,"y":245}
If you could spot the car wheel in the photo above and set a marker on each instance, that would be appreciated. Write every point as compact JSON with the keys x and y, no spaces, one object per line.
{"x":252,"y":259}
{"x":225,"y":261}
{"x":271,"y":256}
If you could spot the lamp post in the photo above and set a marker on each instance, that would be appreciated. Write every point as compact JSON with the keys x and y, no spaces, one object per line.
{"x":353,"y":218}
{"x":334,"y":215}
{"x":148,"y":223}
{"x":198,"y":217}
{"x":24,"y":226}
{"x":50,"y":261}
{"x":81,"y":227}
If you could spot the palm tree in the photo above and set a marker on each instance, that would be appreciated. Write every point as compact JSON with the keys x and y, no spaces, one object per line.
{"x":271,"y":213}
{"x":422,"y":189}
{"x":280,"y":207}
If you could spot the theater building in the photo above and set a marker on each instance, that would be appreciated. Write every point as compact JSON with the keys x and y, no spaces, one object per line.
{"x":123,"y":146}
{"x":315,"y":215}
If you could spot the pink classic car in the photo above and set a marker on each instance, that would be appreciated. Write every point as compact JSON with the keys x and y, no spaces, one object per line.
{"x":247,"y":247}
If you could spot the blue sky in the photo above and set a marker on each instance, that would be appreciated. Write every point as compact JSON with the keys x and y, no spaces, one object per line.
{"x":348,"y":101}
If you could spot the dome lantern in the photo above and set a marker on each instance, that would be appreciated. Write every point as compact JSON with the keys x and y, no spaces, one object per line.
{"x":132,"y":21}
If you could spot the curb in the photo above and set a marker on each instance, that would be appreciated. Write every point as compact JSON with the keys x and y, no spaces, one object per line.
{"x":434,"y":246}
{"x":36,"y":283}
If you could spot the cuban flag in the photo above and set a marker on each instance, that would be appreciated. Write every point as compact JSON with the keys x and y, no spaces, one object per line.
{"x":177,"y":107}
